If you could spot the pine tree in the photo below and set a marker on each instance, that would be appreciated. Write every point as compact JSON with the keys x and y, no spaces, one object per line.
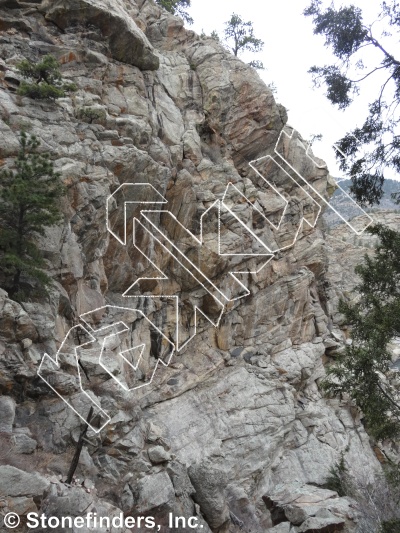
{"x":375,"y":320}
{"x":29,"y":202}
{"x":46,"y":82}
{"x":240,"y":37}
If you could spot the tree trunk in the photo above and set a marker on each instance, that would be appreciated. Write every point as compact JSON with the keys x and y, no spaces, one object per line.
{"x":18,"y":249}
{"x":16,"y":280}
{"x":79,"y":446}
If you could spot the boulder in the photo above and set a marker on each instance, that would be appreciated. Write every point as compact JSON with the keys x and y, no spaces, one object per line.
{"x":22,"y":506}
{"x":23,"y":444}
{"x":154,"y":491}
{"x":209,"y":481}
{"x":157,"y":454}
{"x":7,"y":414}
{"x":63,"y":500}
{"x":15,"y":482}
{"x":307,"y":506}
{"x":322,"y":525}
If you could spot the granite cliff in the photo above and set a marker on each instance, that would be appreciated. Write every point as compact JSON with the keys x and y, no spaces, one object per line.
{"x":234,"y":429}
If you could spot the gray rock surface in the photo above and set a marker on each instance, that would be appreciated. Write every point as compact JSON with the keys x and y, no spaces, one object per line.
{"x":309,"y":507}
{"x":127,"y":42}
{"x":7,"y":414}
{"x":324,"y":525}
{"x":23,"y":444}
{"x":15,"y":482}
{"x":60,"y":501}
{"x":209,"y":482}
{"x":155,"y":491}
{"x":283,"y":527}
{"x":238,"y":412}
{"x":157,"y":454}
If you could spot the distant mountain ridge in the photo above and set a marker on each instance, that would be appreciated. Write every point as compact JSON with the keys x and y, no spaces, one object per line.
{"x":389,"y":186}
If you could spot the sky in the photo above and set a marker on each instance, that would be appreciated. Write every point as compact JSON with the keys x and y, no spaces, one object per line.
{"x":290,"y":50}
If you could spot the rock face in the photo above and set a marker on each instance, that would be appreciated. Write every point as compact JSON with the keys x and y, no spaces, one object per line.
{"x":309,"y":507}
{"x":236,"y":412}
{"x":346,"y":250}
{"x":15,"y":482}
{"x":127,"y":43}
{"x":7,"y":414}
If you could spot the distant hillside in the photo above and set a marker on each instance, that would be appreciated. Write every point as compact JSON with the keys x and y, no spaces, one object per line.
{"x":338,"y":198}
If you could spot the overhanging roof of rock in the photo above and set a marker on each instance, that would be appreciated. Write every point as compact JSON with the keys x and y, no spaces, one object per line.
{"x":127,"y":42}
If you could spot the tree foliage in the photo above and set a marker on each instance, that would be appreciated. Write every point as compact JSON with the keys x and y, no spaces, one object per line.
{"x":391,"y":526}
{"x":373,"y":147}
{"x":29,"y":202}
{"x":239,"y":36}
{"x":375,"y":320}
{"x":375,"y":499}
{"x":214,"y":35}
{"x":177,"y":7}
{"x":337,"y":479}
{"x":45,"y":79}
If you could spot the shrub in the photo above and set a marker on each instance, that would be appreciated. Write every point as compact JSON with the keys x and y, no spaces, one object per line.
{"x":91,"y":114}
{"x":376,"y":498}
{"x":390,"y":526}
{"x":338,"y":478}
{"x":45,"y":79}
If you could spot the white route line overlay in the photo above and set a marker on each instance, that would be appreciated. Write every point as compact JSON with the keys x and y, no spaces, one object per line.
{"x":270,"y":184}
{"x":55,"y":362}
{"x":90,"y":331}
{"x":283,"y":132}
{"x":176,"y":347}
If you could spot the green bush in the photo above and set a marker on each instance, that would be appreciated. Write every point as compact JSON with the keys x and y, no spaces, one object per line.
{"x":45,"y":81}
{"x":391,"y":526}
{"x":91,"y":114}
{"x":44,"y":91}
{"x":337,"y":478}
